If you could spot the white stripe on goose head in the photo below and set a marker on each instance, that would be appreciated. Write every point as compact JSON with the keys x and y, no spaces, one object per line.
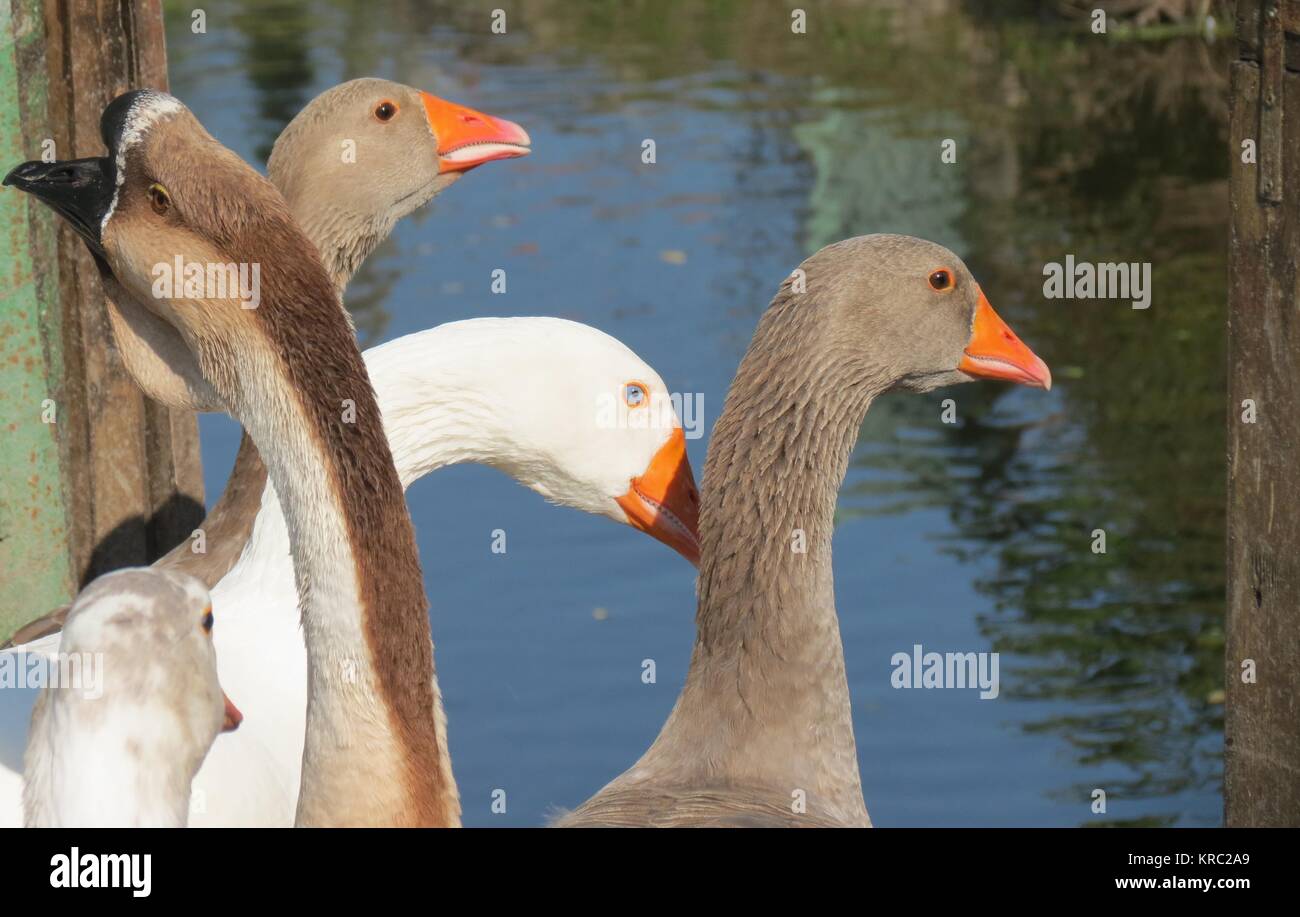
{"x":125,"y":122}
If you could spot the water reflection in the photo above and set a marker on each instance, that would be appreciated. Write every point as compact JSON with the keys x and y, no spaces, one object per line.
{"x":1065,"y":144}
{"x":1108,"y":158}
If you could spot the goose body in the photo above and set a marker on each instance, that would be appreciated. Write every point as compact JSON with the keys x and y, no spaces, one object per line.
{"x":119,"y":745}
{"x":762,"y":732}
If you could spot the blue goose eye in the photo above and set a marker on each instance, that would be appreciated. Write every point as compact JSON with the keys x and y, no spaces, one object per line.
{"x":634,"y":394}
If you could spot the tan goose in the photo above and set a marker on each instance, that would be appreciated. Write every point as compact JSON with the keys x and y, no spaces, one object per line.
{"x":357,"y":159}
{"x":291,"y":373}
{"x":762,"y":732}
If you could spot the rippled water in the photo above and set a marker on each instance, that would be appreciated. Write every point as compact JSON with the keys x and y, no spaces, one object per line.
{"x":974,"y":536}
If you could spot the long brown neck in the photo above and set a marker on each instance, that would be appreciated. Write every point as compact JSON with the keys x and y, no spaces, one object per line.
{"x":146,"y":344}
{"x":375,"y":750}
{"x":766,"y":699}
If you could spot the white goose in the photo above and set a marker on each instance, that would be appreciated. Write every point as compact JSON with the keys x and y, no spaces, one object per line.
{"x":563,"y":408}
{"x":118,"y":742}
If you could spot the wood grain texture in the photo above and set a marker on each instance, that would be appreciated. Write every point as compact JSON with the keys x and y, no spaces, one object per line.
{"x":133,"y":466}
{"x":1262,"y":719}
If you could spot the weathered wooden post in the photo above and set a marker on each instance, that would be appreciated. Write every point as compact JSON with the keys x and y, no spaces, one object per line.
{"x":92,"y":475}
{"x":1262,"y":727}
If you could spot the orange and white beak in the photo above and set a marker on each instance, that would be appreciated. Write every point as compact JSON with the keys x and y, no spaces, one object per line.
{"x":233,"y":716}
{"x":469,"y":138}
{"x":994,"y":352}
{"x":664,"y":502}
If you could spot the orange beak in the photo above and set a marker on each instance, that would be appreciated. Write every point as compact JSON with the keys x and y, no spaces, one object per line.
{"x":233,"y":716}
{"x":469,"y":138}
{"x":664,"y":502}
{"x":994,"y":352}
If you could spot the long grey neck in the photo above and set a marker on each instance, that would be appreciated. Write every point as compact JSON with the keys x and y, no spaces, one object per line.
{"x":766,"y":700}
{"x":375,"y":749}
{"x":344,"y":238}
{"x":346,"y":235}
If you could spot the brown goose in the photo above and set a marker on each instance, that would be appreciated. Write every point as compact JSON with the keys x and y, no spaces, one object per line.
{"x":291,"y":373}
{"x":356,"y":160}
{"x":762,"y":733}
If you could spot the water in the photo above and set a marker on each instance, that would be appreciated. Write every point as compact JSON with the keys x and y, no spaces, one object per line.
{"x":968,"y":537}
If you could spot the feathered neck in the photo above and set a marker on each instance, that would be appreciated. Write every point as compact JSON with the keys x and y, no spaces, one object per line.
{"x":98,"y":763}
{"x":766,"y":700}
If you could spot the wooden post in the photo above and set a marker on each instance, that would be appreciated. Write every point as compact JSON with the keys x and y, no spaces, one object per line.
{"x":1262,"y":719}
{"x":114,"y":480}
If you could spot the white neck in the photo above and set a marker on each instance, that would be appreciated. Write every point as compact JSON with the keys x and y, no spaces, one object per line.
{"x":103,"y":767}
{"x":434,"y":416}
{"x":437,"y":410}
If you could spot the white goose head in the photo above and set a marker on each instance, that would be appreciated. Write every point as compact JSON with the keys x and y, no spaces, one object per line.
{"x":120,"y":743}
{"x":562,"y":407}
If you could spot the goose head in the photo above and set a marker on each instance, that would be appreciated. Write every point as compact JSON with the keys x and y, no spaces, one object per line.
{"x":153,"y":627}
{"x":378,"y":150}
{"x":121,"y":747}
{"x":914,"y":311}
{"x":168,"y":199}
{"x":565,"y":409}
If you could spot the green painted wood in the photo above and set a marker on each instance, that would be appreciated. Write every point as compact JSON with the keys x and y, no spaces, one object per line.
{"x":36,"y":569}
{"x":116,"y":480}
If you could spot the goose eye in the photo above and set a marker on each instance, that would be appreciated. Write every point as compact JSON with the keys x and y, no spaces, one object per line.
{"x":207,"y":622}
{"x":159,"y":199}
{"x":941,"y":280}
{"x":385,"y":111}
{"x":634,"y":394}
